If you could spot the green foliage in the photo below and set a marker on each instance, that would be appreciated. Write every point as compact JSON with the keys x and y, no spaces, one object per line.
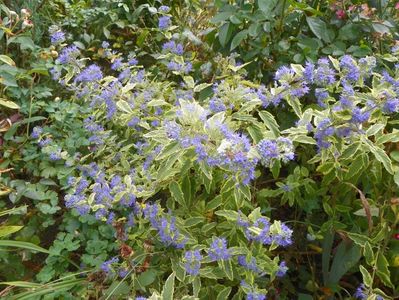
{"x":269,"y":33}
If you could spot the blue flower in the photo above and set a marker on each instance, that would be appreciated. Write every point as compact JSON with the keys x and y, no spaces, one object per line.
{"x":324,"y":75}
{"x":256,"y":296}
{"x":352,"y":72}
{"x":56,"y":155}
{"x":268,"y":151}
{"x":123,"y":272}
{"x":172,"y":47}
{"x":282,"y":269}
{"x":118,"y":62}
{"x":105,"y":266}
{"x":192,"y":263}
{"x":360,"y":294}
{"x":68,"y":55}
{"x":308,"y":73}
{"x":391,"y":105}
{"x":164,"y":8}
{"x":164,"y":22}
{"x":251,"y":265}
{"x":323,"y":131}
{"x":57,"y":37}
{"x":36,"y":132}
{"x":360,"y":117}
{"x":284,"y":72}
{"x":90,"y":74}
{"x":218,"y":250}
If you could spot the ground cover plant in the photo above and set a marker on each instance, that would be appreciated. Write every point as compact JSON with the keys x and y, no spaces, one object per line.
{"x":140,"y":168}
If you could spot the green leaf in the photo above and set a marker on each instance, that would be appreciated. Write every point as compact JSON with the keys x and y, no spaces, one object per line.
{"x":383,"y":271}
{"x":238,"y":39}
{"x":396,"y":178}
{"x":227,"y":268}
{"x":380,"y":155}
{"x":7,"y":230}
{"x":225,"y":33}
{"x":367,"y":279}
{"x":224,"y":294}
{"x":24,"y":245}
{"x":196,"y":286}
{"x":177,"y":193}
{"x":319,"y":28}
{"x":222,"y":16}
{"x":6,"y":59}
{"x":270,"y":122}
{"x":9,"y":104}
{"x":344,"y":259}
{"x":169,"y":287}
{"x":359,"y":239}
{"x":228,"y":214}
{"x":24,"y":284}
{"x":368,"y":253}
{"x":267,"y":5}
{"x":48,"y":289}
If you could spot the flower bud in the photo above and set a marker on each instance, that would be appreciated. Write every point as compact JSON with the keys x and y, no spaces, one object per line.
{"x":13,"y":14}
{"x":27,"y":24}
{"x":25,"y":13}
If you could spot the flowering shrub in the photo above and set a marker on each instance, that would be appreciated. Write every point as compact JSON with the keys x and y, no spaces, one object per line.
{"x":176,"y":172}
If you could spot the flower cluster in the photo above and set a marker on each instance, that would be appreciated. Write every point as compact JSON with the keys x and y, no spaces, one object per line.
{"x":267,"y":234}
{"x":192,"y":262}
{"x":218,"y":250}
{"x":272,"y":150}
{"x":169,"y":234}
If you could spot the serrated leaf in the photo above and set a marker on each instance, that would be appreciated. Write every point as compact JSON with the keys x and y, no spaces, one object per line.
{"x":383,"y":271}
{"x":367,"y":279}
{"x":368,"y":253}
{"x":270,"y":122}
{"x":224,"y":294}
{"x":169,"y":288}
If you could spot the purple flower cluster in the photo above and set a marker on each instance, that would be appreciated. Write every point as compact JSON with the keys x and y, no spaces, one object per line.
{"x":55,"y":155}
{"x":282,"y":269}
{"x":68,"y":55}
{"x":272,"y":150}
{"x":351,"y":70}
{"x":249,"y":265}
{"x":166,"y":226}
{"x":36,"y":132}
{"x":252,"y":294}
{"x":164,"y":22}
{"x":324,"y":75}
{"x":57,"y":37}
{"x":106,"y":266}
{"x":97,"y":131}
{"x":192,"y":262}
{"x":180,"y":67}
{"x":218,"y":250}
{"x":172,"y":47}
{"x":261,"y":231}
{"x":361,"y":293}
{"x":324,"y":130}
{"x":90,"y":74}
